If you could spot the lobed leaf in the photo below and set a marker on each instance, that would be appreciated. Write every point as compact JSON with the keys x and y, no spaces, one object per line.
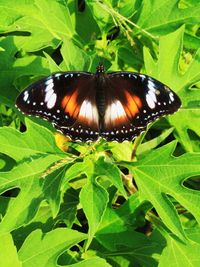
{"x":24,"y":206}
{"x":35,"y":142}
{"x":188,"y":116}
{"x":94,"y":199}
{"x":180,"y":254}
{"x":159,"y":176}
{"x":43,"y":249}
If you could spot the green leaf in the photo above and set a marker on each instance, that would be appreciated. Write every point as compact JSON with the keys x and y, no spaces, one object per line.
{"x":6,"y":163}
{"x":194,"y":234}
{"x":122,"y":151}
{"x":52,"y":64}
{"x":36,"y":141}
{"x":68,"y":209}
{"x":102,"y":16}
{"x":80,"y":19}
{"x":153,"y":143}
{"x":166,"y":16}
{"x":26,"y":178}
{"x":134,"y":246}
{"x":97,"y":262}
{"x":43,"y":249}
{"x":127,"y":7}
{"x":34,"y":18}
{"x":12,"y":68}
{"x":160,"y":175}
{"x":8,"y":253}
{"x":119,"y":217}
{"x":76,"y":58}
{"x":94,"y":199}
{"x":180,"y":254}
{"x":74,"y":171}
{"x":51,"y":188}
{"x":114,"y":234}
{"x":188,"y":116}
{"x":111,"y":172}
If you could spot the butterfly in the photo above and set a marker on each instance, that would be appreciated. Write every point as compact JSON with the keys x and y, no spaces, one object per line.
{"x":85,"y":106}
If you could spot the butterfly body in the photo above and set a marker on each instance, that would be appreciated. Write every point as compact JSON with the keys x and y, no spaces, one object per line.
{"x":86,"y":106}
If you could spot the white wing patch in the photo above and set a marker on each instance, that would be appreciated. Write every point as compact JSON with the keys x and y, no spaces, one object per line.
{"x":150,"y":101}
{"x":171,"y":95}
{"x":114,"y":111}
{"x":26,"y":96}
{"x":51,"y":101}
{"x":50,"y":95}
{"x":89,"y":112}
{"x":151,"y":98}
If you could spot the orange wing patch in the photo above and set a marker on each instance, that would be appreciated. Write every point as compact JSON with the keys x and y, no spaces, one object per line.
{"x":85,"y":113}
{"x":70,"y":105}
{"x":133,"y":104}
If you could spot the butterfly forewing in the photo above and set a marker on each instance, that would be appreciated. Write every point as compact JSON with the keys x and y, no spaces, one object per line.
{"x":65,"y":99}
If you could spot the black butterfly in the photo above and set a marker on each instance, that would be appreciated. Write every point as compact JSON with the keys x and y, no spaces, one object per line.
{"x":82,"y":105}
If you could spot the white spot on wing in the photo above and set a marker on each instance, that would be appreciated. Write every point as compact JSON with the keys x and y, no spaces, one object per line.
{"x":52,"y":100}
{"x":171,"y":96}
{"x":152,"y":95}
{"x":50,"y":81}
{"x":48,"y":95}
{"x":49,"y":85}
{"x":150,"y":101}
{"x":26,"y":95}
{"x":151,"y":85}
{"x":57,"y":75}
{"x":142,"y":76}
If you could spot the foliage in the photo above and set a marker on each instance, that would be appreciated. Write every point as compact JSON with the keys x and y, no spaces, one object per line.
{"x":76,"y":204}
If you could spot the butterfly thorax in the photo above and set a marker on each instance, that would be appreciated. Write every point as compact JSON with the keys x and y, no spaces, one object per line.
{"x":100,"y":93}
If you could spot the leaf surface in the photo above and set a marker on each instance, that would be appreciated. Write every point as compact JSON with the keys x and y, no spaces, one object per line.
{"x":43,"y":249}
{"x":8,"y":252}
{"x":159,"y":176}
{"x":167,"y":70}
{"x":36,"y":141}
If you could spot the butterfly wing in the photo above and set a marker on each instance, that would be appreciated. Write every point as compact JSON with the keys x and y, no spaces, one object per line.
{"x":67,"y":100}
{"x":132,"y":101}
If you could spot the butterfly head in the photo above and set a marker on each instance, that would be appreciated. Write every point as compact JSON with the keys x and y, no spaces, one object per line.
{"x":100,"y":68}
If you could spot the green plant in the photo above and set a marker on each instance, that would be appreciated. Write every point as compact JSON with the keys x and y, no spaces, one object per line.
{"x":75,"y":204}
